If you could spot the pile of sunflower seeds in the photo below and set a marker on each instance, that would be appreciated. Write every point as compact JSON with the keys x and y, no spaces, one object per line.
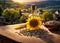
{"x":42,"y":34}
{"x":36,"y":33}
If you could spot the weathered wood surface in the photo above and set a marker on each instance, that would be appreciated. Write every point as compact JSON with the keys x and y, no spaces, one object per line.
{"x":10,"y":32}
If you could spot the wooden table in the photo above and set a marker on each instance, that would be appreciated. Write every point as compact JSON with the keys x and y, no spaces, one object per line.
{"x":10,"y":32}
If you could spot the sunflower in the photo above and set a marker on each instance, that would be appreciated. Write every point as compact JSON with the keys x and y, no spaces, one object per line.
{"x":33,"y":22}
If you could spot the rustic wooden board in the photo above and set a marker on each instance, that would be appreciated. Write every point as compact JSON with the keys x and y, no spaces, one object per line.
{"x":10,"y":32}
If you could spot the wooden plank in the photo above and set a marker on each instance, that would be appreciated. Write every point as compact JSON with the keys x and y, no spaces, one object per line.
{"x":10,"y":32}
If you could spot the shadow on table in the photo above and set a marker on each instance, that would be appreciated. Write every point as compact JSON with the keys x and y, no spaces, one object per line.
{"x":55,"y":31}
{"x":4,"y":39}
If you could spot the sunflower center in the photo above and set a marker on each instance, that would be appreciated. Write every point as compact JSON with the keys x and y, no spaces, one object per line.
{"x":33,"y":23}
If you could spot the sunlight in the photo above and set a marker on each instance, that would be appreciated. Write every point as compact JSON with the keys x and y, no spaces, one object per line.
{"x":24,"y":1}
{"x":19,"y":1}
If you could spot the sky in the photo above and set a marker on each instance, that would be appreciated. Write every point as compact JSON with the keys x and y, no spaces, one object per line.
{"x":22,"y":1}
{"x":26,"y":1}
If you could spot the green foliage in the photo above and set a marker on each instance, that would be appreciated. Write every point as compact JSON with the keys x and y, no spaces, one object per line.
{"x":11,"y":15}
{"x":1,"y":10}
{"x":23,"y":18}
{"x":47,"y":15}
